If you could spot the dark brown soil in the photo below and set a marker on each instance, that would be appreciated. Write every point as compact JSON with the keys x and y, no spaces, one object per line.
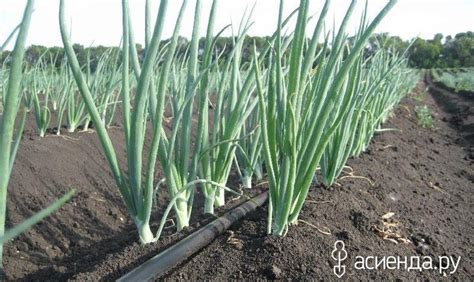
{"x":424,"y":176}
{"x":90,"y":237}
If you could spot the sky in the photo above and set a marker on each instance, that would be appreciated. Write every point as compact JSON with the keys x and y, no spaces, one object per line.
{"x":98,"y":22}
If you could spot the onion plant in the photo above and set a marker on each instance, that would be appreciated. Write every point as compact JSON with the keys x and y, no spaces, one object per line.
{"x":8,"y":148}
{"x":249,"y":161}
{"x":40,"y":96}
{"x":175,"y":153}
{"x":219,"y":136}
{"x":136,"y":193}
{"x":26,"y":86}
{"x":301,"y":109}
{"x":65,"y":86}
{"x":76,"y":111}
{"x":51,"y":78}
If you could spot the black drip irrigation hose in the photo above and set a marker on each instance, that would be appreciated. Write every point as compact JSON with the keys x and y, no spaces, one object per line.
{"x":176,"y":254}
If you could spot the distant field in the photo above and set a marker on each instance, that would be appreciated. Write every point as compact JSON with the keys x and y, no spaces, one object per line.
{"x":461,"y":79}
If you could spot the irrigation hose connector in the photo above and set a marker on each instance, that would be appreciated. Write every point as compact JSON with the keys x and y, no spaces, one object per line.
{"x":178,"y":253}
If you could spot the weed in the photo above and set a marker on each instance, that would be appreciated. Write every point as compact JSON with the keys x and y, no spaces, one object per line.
{"x":425,"y":118}
{"x":420,"y":97}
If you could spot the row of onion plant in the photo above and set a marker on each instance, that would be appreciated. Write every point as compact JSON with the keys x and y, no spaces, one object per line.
{"x":47,"y":90}
{"x":386,"y":80}
{"x":380,"y":83}
{"x":221,"y":130}
{"x":137,"y":184}
{"x":301,"y":109}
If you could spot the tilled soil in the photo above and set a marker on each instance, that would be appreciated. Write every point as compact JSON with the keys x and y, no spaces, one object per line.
{"x":91,"y":237}
{"x":423,"y":176}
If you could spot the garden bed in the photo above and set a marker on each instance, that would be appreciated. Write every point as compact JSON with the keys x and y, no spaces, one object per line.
{"x":423,"y":176}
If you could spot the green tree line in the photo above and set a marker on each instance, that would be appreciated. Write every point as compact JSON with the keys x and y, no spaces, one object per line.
{"x":439,"y":52}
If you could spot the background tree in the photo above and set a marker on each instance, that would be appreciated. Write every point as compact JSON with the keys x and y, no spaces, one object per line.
{"x":453,"y":52}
